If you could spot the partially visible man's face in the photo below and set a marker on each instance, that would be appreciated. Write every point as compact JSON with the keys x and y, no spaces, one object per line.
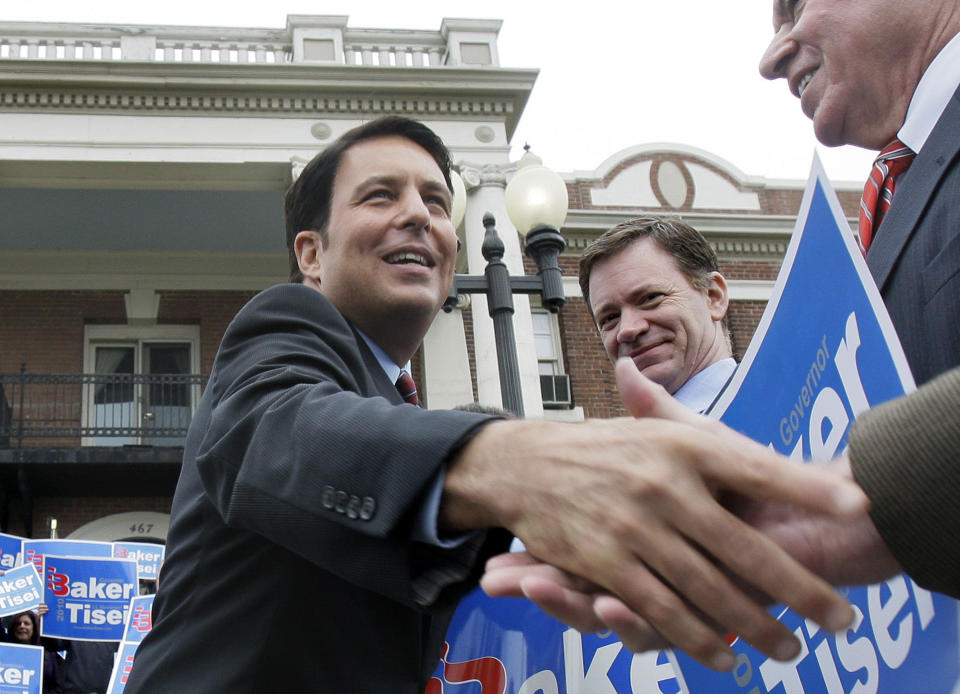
{"x":854,"y":64}
{"x":391,"y":244}
{"x":647,"y":309}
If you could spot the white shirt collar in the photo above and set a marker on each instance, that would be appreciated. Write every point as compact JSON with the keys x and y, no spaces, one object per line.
{"x":703,"y":387}
{"x":933,"y":93}
{"x":386,"y":363}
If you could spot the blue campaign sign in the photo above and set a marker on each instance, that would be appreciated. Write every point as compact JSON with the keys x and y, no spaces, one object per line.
{"x":88,"y":598}
{"x":139,"y":620}
{"x":825,"y":349}
{"x":122,"y":668}
{"x":139,"y":623}
{"x":11,"y":551}
{"x":148,"y":556}
{"x":824,"y":352}
{"x":33,"y":550}
{"x":20,"y":589}
{"x":21,"y":669}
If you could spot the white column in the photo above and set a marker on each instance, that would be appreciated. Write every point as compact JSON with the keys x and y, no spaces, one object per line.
{"x":446,"y":364}
{"x":485,"y":193}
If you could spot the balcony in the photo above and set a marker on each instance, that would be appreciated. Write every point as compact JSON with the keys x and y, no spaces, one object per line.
{"x":76,"y":409}
{"x":76,"y":434}
{"x":305,"y":39}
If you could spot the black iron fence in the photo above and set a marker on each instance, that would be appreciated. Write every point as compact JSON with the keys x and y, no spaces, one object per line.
{"x":72,"y":409}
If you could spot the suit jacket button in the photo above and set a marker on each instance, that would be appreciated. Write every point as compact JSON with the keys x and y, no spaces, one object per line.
{"x":368,"y":508}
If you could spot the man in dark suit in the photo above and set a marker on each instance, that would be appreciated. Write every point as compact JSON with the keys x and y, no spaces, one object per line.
{"x":885,"y":75}
{"x":869,"y":72}
{"x":323,"y":530}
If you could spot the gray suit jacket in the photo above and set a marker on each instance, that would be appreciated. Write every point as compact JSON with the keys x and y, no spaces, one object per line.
{"x":292,"y":561}
{"x":915,"y":257}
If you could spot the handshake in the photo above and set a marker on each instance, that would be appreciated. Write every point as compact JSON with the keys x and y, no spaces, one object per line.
{"x":686,"y":538}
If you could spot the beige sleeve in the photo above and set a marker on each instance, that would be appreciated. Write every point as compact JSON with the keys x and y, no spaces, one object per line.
{"x":906,"y":456}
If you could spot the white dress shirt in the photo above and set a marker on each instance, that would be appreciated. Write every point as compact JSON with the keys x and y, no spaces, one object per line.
{"x":933,"y":93}
{"x":699,"y":392}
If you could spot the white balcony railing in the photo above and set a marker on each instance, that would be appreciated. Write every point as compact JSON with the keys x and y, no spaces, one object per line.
{"x":306,"y":39}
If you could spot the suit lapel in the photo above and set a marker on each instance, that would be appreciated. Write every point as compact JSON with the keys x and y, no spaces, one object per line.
{"x":381,"y":383}
{"x":914,"y":191}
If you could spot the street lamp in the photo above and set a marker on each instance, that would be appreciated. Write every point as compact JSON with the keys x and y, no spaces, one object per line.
{"x":536,"y":200}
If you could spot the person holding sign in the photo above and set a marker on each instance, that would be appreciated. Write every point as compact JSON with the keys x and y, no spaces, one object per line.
{"x":24,"y":628}
{"x":313,"y":487}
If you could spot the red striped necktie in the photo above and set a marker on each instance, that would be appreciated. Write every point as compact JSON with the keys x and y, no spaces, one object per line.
{"x":407,"y":388}
{"x":878,"y":192}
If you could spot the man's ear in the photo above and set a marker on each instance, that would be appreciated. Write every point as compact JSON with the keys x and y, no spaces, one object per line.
{"x":308,"y":247}
{"x":717,"y":300}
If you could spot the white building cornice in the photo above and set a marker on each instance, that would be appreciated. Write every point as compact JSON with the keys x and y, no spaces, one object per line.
{"x":753,"y":237}
{"x":283,"y":90}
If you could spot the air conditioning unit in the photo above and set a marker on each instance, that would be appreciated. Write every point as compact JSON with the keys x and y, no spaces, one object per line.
{"x":555,"y":391}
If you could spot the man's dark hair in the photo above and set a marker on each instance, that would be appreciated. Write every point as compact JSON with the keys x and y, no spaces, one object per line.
{"x":307,"y":202}
{"x":692,"y":253}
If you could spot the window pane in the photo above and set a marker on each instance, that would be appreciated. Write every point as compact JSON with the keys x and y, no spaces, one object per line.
{"x":167,"y":358}
{"x":113,"y":361}
{"x":544,"y":345}
{"x":547,"y":368}
{"x":543,"y":335}
{"x":541,"y":322}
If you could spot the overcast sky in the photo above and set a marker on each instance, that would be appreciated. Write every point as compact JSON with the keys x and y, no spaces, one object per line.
{"x":613,"y":74}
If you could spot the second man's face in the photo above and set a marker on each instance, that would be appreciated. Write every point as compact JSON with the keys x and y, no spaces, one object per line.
{"x":646,"y":309}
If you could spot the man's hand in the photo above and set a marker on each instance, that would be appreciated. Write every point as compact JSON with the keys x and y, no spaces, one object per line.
{"x":630,"y":506}
{"x":844,"y":549}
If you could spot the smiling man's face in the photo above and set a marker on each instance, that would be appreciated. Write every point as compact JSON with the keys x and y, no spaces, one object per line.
{"x":391,"y":244}
{"x":647,"y":309}
{"x":854,"y":64}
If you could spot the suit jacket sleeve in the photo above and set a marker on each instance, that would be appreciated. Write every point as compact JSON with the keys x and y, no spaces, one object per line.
{"x":905,"y":456}
{"x":308,"y":444}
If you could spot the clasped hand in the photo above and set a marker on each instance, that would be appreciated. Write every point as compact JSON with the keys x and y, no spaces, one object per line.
{"x":673,"y":565}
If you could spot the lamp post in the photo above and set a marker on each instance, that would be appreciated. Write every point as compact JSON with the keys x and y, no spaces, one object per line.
{"x":536,"y":200}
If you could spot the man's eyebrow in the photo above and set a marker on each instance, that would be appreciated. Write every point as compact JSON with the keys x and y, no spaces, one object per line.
{"x":436,"y":187}
{"x":638,"y":291}
{"x":378,"y":179}
{"x":392,"y":180}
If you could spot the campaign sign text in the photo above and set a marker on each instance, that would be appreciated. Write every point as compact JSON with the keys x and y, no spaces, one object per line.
{"x":21,"y":669}
{"x":824,"y":352}
{"x":11,"y":551}
{"x":149,"y":557}
{"x":33,"y":550}
{"x":88,"y":598}
{"x":20,"y":590}
{"x":139,"y":623}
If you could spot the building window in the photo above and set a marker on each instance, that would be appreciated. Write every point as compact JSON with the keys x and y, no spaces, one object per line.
{"x":144,"y":384}
{"x":554,"y":383}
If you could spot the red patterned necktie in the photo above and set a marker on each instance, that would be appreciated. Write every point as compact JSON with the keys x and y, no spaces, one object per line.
{"x":877,"y":194}
{"x":407,"y":388}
